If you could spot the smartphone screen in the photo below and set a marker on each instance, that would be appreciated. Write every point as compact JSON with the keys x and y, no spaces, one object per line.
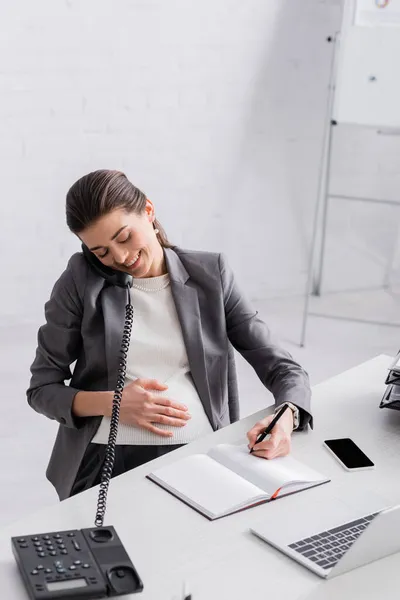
{"x":349,"y":453}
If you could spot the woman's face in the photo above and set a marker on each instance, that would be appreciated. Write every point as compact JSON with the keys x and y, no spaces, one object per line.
{"x":127,"y":242}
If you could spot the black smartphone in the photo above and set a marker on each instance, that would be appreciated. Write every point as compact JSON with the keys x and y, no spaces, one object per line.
{"x":350,"y":456}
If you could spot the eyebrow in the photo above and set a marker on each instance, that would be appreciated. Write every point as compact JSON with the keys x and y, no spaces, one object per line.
{"x":113,"y":238}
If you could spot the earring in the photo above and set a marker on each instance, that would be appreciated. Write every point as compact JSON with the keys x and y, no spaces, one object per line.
{"x":156,"y":231}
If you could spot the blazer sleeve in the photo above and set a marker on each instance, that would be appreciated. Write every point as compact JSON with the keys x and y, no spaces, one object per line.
{"x":250,"y":336}
{"x":59,"y":345}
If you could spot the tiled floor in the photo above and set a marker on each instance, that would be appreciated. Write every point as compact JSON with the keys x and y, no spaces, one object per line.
{"x":333,"y":345}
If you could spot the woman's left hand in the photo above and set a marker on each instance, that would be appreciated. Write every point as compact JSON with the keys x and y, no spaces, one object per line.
{"x":278,"y":442}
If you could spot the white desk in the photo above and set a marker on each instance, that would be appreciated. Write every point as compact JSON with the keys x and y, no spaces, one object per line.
{"x":169,"y":542}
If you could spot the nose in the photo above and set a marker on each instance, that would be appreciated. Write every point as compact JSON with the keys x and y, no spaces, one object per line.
{"x":120,"y":256}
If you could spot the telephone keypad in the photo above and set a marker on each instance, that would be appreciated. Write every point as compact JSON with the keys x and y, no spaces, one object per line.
{"x":53,"y":561}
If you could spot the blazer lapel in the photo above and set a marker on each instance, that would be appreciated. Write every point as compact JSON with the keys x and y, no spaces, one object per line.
{"x":187,"y":307}
{"x":113,"y":301}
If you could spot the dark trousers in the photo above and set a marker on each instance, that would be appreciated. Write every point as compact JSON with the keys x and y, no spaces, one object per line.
{"x":127,"y":457}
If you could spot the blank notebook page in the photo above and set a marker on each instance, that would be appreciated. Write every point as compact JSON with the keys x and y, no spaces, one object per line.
{"x":269,"y":475}
{"x":207,"y":484}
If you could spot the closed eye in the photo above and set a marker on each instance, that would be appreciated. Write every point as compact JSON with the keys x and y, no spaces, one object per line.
{"x":125,"y":240}
{"x":119,"y":242}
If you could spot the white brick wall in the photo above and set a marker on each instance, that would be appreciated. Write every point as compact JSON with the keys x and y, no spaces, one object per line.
{"x":215,"y":108}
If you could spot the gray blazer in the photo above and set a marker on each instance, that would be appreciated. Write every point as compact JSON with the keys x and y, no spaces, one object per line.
{"x":84,"y":323}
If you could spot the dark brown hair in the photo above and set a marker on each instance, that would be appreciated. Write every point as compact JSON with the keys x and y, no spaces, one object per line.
{"x":99,"y":193}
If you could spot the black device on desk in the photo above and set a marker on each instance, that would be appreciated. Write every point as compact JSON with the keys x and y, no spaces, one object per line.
{"x":86,"y":563}
{"x":350,"y":456}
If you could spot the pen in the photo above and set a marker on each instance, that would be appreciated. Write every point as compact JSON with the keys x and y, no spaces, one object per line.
{"x":270,"y":426}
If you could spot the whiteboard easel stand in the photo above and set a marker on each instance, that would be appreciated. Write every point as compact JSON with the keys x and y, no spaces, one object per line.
{"x":322,"y":195}
{"x":313,"y":285}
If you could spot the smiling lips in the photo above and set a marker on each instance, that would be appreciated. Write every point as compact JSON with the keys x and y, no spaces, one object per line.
{"x":134,"y":261}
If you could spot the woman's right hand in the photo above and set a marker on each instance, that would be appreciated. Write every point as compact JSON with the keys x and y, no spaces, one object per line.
{"x":140,"y":407}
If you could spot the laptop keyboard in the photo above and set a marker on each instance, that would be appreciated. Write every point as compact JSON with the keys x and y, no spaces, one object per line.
{"x":326,"y":548}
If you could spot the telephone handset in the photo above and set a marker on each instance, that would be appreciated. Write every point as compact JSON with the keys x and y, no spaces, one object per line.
{"x":111,"y":275}
{"x":86,"y":563}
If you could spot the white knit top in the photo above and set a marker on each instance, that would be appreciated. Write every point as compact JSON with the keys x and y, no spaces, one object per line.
{"x":157,"y":351}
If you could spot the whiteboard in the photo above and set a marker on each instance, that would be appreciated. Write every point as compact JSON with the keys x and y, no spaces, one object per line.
{"x":367,"y":79}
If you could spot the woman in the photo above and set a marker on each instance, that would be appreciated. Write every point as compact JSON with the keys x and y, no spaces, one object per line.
{"x":180,"y":374}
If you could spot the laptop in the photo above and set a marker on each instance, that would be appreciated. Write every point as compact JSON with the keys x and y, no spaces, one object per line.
{"x":333,"y":551}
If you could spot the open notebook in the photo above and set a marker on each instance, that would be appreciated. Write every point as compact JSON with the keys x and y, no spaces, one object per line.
{"x":228,"y":479}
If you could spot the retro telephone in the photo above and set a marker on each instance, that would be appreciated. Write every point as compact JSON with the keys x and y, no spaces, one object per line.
{"x":86,"y":563}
